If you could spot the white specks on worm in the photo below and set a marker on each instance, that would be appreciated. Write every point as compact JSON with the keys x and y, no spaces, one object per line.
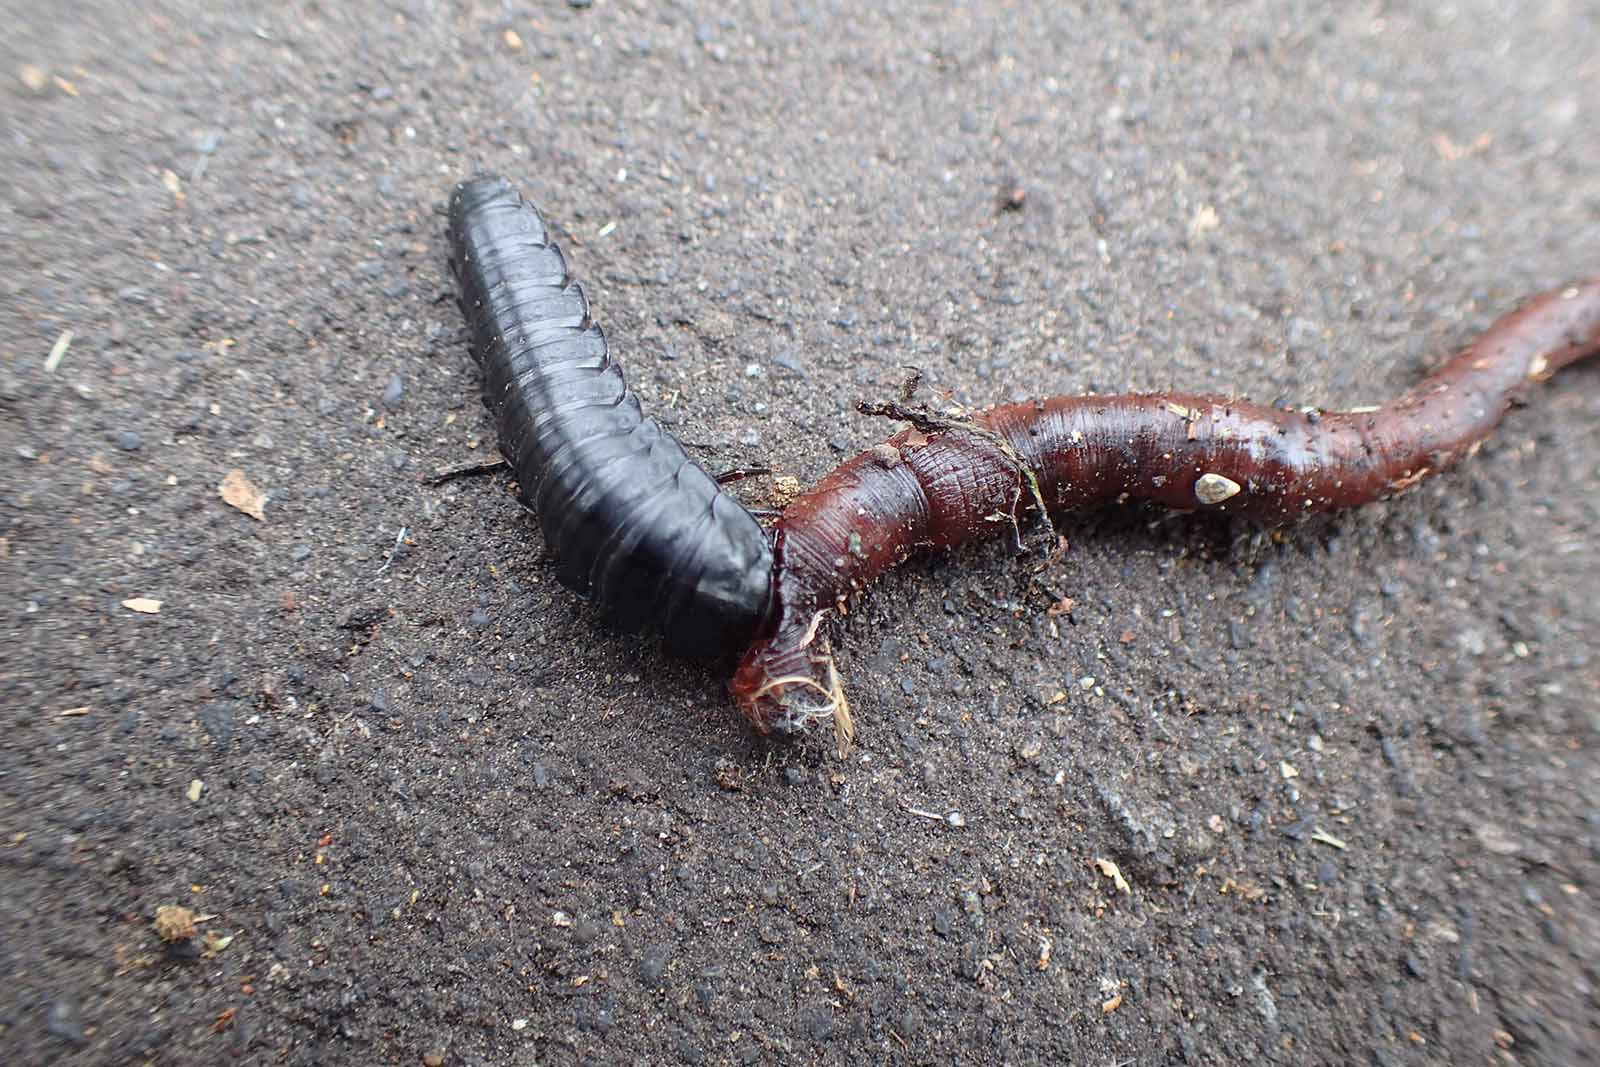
{"x":1215,"y":488}
{"x":1570,"y":294}
{"x":1539,"y":368}
{"x":1365,"y":409}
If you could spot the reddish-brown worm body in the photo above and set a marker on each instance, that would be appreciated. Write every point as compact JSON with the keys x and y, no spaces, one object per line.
{"x":942,"y":485}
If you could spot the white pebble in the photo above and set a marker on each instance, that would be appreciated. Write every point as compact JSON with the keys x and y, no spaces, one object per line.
{"x":1215,"y":488}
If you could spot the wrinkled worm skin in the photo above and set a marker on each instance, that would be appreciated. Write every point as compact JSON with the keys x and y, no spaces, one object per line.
{"x":658,"y":545}
{"x":934,"y":487}
{"x":635,"y":523}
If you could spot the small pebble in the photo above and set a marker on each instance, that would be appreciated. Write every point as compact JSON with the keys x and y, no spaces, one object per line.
{"x":653,"y":968}
{"x":64,"y":1022}
{"x":789,"y":362}
{"x":130,"y":440}
{"x":393,"y":392}
{"x":1238,"y":636}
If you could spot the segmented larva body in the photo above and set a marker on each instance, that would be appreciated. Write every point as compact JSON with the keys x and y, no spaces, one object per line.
{"x":634,"y":522}
{"x":935,"y":487}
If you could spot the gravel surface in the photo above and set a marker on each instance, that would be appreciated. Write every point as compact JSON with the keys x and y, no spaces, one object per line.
{"x":1322,"y":795}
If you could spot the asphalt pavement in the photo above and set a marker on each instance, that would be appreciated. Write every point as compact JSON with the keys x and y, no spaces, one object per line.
{"x":326,"y":768}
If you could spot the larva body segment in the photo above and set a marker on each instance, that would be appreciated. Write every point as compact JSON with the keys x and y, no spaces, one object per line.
{"x":636,"y":524}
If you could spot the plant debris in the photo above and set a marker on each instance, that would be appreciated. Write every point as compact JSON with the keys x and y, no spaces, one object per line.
{"x":239,"y":492}
{"x":175,"y":923}
{"x":1113,"y":872}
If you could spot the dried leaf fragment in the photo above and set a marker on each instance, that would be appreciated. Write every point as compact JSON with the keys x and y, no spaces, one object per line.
{"x":36,"y":79}
{"x":1113,"y":872}
{"x":143,"y":605}
{"x":239,"y":492}
{"x":1063,"y":606}
{"x":1204,"y":219}
{"x":1246,"y":890}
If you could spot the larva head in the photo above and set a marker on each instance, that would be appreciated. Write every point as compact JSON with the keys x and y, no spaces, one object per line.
{"x":788,"y":685}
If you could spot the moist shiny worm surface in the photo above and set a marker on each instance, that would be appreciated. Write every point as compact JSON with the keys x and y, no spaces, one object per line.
{"x":645,"y":532}
{"x":933,"y":486}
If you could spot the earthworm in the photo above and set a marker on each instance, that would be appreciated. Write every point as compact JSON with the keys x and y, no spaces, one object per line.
{"x":635,"y":524}
{"x":944,"y":481}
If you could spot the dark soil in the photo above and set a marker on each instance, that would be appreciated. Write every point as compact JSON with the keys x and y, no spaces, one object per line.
{"x":1347,"y":771}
